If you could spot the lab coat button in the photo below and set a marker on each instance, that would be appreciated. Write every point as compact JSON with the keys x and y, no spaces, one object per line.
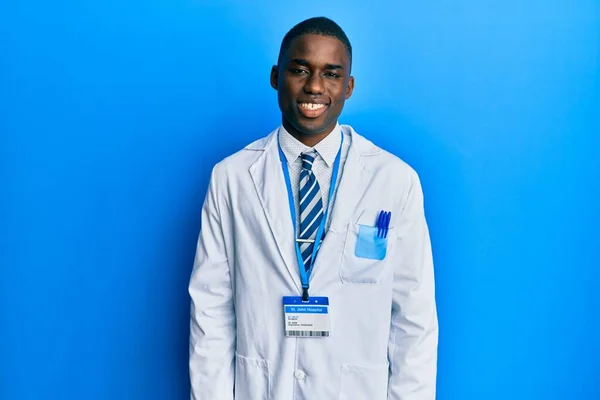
{"x":300,"y":375}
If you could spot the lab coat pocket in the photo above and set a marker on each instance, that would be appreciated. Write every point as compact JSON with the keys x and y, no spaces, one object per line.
{"x":365,"y":254}
{"x":251,"y":378}
{"x":360,"y":382}
{"x":369,"y":244}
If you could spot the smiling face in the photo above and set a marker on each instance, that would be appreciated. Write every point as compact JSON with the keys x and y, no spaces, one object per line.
{"x":312,"y":81}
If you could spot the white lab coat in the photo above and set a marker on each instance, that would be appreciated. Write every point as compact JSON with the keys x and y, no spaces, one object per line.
{"x":384,"y":331}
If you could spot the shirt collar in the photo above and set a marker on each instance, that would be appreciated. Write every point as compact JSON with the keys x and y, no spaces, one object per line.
{"x":327,"y":148}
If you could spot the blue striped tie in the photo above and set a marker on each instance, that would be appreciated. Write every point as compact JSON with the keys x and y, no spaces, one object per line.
{"x":311,"y":207}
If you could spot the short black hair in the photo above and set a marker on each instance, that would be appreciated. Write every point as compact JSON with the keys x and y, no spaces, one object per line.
{"x":315,"y":26}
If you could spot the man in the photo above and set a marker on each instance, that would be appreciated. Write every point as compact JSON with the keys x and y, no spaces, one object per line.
{"x":313,"y":276}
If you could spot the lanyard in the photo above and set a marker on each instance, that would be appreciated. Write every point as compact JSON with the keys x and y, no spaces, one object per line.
{"x":305,"y":274}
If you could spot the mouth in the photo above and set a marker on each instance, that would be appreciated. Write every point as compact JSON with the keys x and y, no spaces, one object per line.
{"x":312,"y":110}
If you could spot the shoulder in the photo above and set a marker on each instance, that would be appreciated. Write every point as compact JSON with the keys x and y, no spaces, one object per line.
{"x":378,"y":160}
{"x":243,"y":159}
{"x":386,"y":169}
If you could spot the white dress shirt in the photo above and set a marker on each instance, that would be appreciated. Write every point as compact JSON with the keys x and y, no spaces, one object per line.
{"x":327,"y":150}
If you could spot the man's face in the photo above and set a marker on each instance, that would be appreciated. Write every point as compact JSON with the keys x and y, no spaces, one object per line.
{"x":312,"y":81}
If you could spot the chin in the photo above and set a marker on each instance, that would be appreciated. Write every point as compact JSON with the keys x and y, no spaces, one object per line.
{"x":311,"y":129}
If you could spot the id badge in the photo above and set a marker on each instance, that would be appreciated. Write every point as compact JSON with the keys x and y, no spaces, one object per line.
{"x":306,"y":319}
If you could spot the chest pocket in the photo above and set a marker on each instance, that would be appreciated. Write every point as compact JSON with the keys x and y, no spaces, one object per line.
{"x":366,"y":256}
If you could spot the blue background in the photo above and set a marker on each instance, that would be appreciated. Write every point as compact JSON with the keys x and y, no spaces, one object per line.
{"x":112,"y":114}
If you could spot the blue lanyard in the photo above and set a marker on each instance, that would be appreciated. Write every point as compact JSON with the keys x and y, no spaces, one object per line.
{"x":305,"y":274}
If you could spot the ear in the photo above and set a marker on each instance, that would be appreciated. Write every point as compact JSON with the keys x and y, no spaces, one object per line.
{"x":274,"y":76}
{"x":350,"y":87}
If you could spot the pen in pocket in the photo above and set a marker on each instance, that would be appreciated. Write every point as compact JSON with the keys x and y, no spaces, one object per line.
{"x":383,"y":223}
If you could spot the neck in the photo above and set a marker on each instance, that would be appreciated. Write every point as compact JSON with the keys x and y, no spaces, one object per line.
{"x":308,"y":139}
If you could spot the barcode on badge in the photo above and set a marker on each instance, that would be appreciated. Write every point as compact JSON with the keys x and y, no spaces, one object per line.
{"x":307,"y":333}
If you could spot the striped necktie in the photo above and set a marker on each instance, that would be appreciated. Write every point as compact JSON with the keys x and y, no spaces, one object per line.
{"x":311,"y":207}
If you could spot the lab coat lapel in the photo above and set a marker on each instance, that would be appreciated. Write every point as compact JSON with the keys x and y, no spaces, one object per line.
{"x":268,"y":179}
{"x":353,"y":185}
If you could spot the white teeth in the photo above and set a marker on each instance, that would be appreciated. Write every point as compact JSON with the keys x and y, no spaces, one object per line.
{"x":312,"y":106}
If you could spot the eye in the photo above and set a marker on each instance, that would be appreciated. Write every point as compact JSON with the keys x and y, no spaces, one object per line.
{"x":332,"y":75}
{"x":298,"y":71}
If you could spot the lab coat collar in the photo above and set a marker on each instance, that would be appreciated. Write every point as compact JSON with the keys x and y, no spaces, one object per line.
{"x":360,"y":144}
{"x":270,"y":185}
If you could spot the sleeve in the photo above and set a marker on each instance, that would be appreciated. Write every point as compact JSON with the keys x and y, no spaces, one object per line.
{"x":212,"y":320}
{"x":412,"y":348}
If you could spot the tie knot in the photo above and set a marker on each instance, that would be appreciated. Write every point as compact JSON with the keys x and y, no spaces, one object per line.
{"x":307,"y":160}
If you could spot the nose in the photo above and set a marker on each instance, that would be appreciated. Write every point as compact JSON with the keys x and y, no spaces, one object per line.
{"x":314,"y":84}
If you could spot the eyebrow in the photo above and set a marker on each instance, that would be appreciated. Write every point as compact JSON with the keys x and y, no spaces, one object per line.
{"x":305,"y":63}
